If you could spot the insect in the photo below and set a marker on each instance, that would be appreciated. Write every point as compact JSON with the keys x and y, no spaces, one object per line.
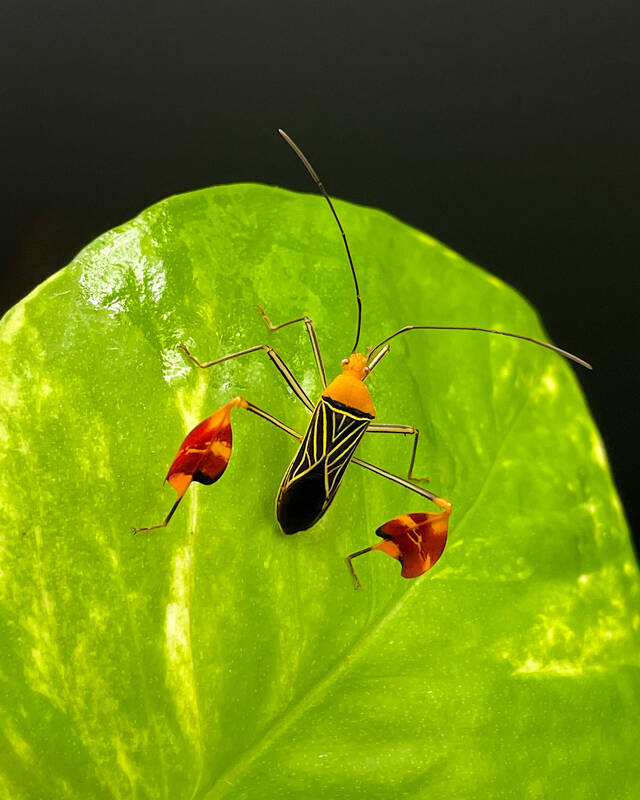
{"x":343,"y":414}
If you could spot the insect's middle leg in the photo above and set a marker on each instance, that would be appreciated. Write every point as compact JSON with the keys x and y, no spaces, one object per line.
{"x":282,"y":368}
{"x":407,"y":430}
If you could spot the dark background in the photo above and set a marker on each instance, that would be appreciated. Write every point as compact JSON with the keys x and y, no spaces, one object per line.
{"x":509,"y":130}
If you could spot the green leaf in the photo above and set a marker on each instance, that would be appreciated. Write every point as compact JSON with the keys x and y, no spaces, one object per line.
{"x":218,"y":658}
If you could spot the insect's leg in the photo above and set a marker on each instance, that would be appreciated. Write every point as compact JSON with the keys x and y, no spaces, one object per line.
{"x":439,"y":501}
{"x":160,"y":524}
{"x":353,"y":572}
{"x":207,"y":441}
{"x":406,"y":430}
{"x":416,"y":540}
{"x":312,"y":336}
{"x":260,"y":413}
{"x":283,"y":369}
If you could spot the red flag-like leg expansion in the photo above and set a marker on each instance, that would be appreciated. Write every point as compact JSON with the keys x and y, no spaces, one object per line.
{"x":204,"y":454}
{"x":416,"y":540}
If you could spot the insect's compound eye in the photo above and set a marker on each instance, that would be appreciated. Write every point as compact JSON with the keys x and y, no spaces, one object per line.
{"x":367,"y":370}
{"x":344,"y":362}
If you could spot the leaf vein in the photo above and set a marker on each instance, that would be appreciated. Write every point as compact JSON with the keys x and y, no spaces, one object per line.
{"x":226,"y":780}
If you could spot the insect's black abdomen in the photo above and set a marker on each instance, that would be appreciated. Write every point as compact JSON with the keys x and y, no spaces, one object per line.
{"x":314,"y":475}
{"x":300,"y":505}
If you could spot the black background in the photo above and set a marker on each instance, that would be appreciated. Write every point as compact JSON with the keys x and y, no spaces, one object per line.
{"x":509,"y":130}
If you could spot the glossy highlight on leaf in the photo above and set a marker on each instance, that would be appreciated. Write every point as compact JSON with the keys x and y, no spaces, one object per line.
{"x":218,"y":658}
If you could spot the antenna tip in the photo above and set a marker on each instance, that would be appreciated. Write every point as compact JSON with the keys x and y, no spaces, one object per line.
{"x":297,"y":150}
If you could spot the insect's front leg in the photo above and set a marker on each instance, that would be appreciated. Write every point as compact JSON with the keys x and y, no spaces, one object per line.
{"x":282,"y":368}
{"x":407,"y":430}
{"x":312,"y":337}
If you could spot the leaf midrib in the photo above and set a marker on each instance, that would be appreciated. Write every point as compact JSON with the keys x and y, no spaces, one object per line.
{"x":225,"y":781}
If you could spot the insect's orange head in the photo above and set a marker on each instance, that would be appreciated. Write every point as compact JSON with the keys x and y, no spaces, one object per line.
{"x":356,"y":366}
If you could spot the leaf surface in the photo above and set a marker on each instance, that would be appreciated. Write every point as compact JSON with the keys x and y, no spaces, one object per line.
{"x":218,"y":658}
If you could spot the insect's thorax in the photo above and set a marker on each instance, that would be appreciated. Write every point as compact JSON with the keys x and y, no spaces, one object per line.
{"x":349,"y":390}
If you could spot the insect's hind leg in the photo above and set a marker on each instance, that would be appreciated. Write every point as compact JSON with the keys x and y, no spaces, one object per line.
{"x":441,"y":502}
{"x":282,"y":368}
{"x":204,"y":453}
{"x":162,"y":524}
{"x":407,"y":430}
{"x":269,"y":418}
{"x":417,"y":540}
{"x":312,"y":337}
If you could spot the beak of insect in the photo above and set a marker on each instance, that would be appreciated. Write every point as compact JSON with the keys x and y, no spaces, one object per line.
{"x":204,"y":454}
{"x":415,"y":540}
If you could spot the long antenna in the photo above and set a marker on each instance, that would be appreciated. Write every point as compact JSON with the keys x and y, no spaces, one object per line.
{"x":323,"y":191}
{"x":555,"y":349}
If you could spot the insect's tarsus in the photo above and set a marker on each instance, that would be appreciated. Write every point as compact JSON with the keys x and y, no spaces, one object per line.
{"x":349,"y":560}
{"x":323,"y":191}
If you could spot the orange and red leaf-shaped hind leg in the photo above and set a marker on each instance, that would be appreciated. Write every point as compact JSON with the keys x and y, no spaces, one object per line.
{"x":203,"y":455}
{"x":416,"y":540}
